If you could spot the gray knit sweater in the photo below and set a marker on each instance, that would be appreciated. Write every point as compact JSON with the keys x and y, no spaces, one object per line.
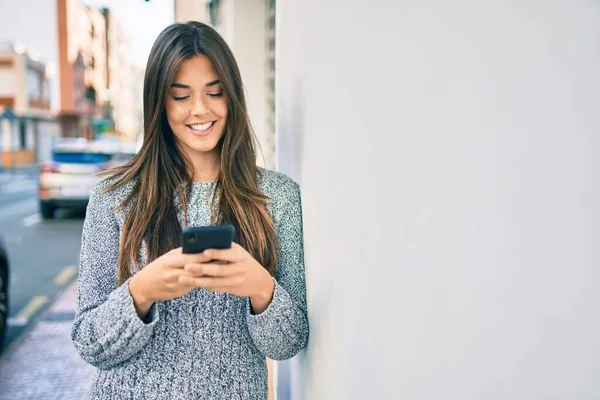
{"x":202,"y":345}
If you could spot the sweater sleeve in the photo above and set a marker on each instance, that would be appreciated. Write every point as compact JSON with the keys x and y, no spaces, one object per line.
{"x":106,"y":330}
{"x":281,"y":331}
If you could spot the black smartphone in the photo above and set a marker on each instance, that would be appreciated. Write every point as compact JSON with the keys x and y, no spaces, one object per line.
{"x":198,"y":239}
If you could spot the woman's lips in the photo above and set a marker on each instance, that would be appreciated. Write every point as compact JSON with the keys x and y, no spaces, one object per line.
{"x":199,"y":132}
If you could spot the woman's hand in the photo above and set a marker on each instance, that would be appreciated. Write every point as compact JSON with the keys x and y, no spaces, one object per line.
{"x":159,"y":280}
{"x":241,"y":275}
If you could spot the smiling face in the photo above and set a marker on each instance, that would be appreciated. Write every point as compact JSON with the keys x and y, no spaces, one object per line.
{"x":196,"y":107}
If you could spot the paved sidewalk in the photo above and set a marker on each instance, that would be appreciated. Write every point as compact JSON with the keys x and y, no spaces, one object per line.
{"x":44,"y":363}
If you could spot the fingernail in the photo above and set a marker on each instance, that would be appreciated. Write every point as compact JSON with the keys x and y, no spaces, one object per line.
{"x":207,"y":253}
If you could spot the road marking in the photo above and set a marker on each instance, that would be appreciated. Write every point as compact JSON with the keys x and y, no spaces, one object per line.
{"x":16,"y":322}
{"x":32,"y":220}
{"x":30,"y":309}
{"x":65,"y":275}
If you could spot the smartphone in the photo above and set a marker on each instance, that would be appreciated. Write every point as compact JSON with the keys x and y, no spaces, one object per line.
{"x":198,"y":239}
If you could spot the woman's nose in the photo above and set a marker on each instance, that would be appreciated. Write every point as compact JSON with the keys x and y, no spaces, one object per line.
{"x":198,"y":106}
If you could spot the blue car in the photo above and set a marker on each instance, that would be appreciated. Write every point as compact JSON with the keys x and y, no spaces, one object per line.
{"x":4,"y":273}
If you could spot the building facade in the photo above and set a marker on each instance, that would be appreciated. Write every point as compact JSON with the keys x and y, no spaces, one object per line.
{"x":84,"y":50}
{"x":125,"y":82}
{"x":40,"y":45}
{"x":26,"y":121}
{"x":83,"y":70}
{"x":41,"y":42}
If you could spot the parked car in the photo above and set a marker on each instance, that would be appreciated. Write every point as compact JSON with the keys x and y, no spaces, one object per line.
{"x":4,"y":274}
{"x":66,"y":180}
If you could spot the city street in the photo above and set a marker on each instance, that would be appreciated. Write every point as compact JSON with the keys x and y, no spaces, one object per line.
{"x":43,"y":255}
{"x":39,"y":360}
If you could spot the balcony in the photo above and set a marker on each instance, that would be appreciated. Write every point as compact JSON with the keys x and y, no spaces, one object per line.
{"x":39,"y":103}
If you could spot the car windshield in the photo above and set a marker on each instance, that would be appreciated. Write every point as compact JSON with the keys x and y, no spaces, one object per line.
{"x":81,"y":157}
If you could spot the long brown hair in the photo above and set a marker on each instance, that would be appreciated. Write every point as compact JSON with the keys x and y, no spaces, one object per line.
{"x":160,"y":170}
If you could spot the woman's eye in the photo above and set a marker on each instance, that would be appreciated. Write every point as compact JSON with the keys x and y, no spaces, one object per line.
{"x":179,"y":98}
{"x":215,"y":94}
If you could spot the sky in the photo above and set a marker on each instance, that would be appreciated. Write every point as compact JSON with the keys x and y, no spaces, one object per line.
{"x":141,"y":22}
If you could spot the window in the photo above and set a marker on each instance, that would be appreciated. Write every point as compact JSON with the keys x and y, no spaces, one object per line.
{"x":90,"y":94}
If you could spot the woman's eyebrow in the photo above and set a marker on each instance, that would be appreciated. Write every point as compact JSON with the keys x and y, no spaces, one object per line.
{"x":182,"y":86}
{"x":213,"y":83}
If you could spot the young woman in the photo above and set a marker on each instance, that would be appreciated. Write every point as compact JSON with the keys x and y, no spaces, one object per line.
{"x":159,"y":324}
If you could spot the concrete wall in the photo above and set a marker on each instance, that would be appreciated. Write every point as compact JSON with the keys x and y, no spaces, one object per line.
{"x":244,"y":28}
{"x":447,"y":154}
{"x":190,"y":10}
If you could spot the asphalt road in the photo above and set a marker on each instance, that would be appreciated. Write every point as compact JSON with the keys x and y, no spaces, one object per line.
{"x":43,"y":255}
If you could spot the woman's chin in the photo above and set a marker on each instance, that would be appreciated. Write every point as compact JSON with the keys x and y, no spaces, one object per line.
{"x":198,"y":146}
{"x":203,"y":149}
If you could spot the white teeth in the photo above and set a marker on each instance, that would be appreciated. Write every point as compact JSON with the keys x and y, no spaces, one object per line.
{"x":201,"y":127}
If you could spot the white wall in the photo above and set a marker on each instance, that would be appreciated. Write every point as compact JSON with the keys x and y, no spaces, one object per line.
{"x":448,"y":158}
{"x":249,"y":45}
{"x":38,"y":30}
{"x":7,"y":81}
{"x":191,"y":10}
{"x":9,"y":135}
{"x":242,"y":24}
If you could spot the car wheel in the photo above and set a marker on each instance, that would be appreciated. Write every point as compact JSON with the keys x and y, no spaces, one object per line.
{"x":3,"y":301}
{"x":47,"y":211}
